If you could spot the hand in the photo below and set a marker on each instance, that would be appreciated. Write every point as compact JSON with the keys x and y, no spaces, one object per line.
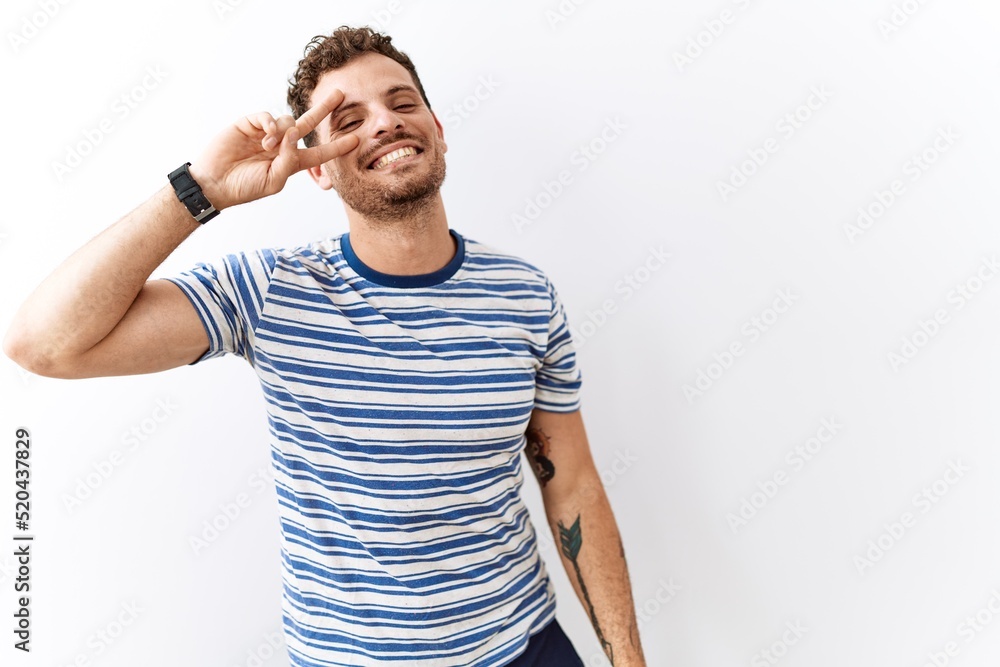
{"x":254,"y":157}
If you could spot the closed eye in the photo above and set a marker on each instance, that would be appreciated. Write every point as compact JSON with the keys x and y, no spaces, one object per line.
{"x":355,"y":122}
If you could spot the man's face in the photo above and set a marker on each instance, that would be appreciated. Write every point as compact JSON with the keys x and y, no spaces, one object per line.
{"x":386,"y":112}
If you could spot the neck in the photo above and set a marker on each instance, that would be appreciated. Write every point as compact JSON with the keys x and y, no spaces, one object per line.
{"x":416,"y":244}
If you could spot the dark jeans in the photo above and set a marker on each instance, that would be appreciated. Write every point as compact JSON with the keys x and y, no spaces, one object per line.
{"x":549,"y":648}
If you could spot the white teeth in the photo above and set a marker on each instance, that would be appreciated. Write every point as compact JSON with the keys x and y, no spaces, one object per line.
{"x":395,"y":155}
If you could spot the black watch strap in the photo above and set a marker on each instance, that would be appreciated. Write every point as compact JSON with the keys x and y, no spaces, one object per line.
{"x":191,"y":195}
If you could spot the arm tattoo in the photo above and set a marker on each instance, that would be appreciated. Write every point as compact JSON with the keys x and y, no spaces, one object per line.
{"x":572,"y":539}
{"x":537,"y":449}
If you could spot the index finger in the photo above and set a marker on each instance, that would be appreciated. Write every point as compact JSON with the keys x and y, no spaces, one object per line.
{"x":308,"y":121}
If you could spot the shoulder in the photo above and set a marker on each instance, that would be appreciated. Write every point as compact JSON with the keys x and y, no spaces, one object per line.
{"x":486,"y":261}
{"x":291,"y":256}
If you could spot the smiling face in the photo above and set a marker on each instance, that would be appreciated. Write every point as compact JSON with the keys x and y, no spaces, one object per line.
{"x":398,"y":167}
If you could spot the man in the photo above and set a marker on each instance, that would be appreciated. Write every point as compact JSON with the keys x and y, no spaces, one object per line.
{"x":405,"y":368}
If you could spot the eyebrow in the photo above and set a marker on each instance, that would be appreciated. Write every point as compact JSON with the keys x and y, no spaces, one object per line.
{"x":344,"y":108}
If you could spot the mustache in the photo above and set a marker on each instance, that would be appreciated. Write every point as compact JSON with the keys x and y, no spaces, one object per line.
{"x":375,"y":149}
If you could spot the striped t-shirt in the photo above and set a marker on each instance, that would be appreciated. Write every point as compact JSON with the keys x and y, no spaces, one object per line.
{"x":397,"y":409}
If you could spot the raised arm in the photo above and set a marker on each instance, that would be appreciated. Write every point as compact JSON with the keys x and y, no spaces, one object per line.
{"x":98,"y":314}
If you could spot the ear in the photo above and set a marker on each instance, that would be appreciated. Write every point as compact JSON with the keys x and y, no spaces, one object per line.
{"x":444,"y":146}
{"x":319,"y":175}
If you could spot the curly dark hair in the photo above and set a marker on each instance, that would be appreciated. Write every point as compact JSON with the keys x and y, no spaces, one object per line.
{"x":328,"y":52}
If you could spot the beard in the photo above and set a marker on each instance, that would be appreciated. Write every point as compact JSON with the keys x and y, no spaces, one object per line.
{"x":402,"y":197}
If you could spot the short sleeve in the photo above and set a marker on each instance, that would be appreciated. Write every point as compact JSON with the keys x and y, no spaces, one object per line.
{"x":558,"y":381}
{"x":228,"y":295}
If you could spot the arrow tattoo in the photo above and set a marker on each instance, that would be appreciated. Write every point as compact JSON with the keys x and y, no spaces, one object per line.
{"x":571,"y":540}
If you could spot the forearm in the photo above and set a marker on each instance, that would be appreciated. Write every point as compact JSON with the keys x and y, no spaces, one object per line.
{"x":591,"y":550}
{"x":86,"y":296}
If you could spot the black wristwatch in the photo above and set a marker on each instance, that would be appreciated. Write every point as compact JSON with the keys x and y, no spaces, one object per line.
{"x":191,"y":195}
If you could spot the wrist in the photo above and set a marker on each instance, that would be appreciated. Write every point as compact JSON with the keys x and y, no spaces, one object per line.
{"x":209,"y":187}
{"x":191,"y":194}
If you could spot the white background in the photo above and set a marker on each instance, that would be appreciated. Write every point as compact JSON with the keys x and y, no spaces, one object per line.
{"x":677,"y":466}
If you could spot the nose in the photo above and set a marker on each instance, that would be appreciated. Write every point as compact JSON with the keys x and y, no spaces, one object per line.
{"x":385,"y":120}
